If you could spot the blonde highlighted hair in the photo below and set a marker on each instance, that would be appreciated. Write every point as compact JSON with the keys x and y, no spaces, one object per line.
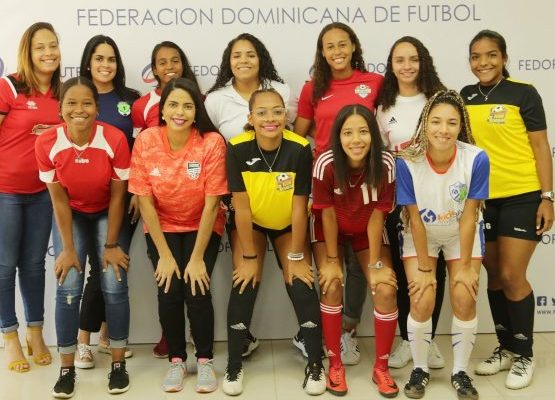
{"x":28,"y":80}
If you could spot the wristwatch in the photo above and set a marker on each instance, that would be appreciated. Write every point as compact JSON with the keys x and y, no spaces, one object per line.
{"x":548,"y":196}
{"x":378,"y":265}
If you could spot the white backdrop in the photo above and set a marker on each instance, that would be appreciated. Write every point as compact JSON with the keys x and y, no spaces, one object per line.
{"x":289,"y":31}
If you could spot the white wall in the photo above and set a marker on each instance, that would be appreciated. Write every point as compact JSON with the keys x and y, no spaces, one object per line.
{"x":203,"y":30}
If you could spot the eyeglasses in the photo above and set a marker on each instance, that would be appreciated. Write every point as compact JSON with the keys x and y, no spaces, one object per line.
{"x":277,"y":112}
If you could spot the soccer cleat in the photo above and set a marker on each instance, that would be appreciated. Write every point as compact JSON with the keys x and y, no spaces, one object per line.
{"x":416,"y":386}
{"x":173,"y":381}
{"x":521,"y":373}
{"x":118,"y":379}
{"x":386,"y":385}
{"x":463,"y":385}
{"x":65,"y":386}
{"x":206,"y":377}
{"x":233,"y":381}
{"x":500,"y":360}
{"x":336,"y":383}
{"x":350,"y":353}
{"x":400,"y":356}
{"x":435,"y":358}
{"x":314,"y":379}
{"x":84,"y":358}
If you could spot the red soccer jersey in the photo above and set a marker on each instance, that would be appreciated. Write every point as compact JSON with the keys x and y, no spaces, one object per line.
{"x":360,"y":88}
{"x":179,"y":180}
{"x":144,"y":111}
{"x":355,"y":203}
{"x":84,"y":172}
{"x":18,"y":166}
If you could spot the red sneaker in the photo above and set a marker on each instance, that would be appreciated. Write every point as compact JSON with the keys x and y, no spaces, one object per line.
{"x":336,"y":383}
{"x":161,"y":349}
{"x":386,"y":385}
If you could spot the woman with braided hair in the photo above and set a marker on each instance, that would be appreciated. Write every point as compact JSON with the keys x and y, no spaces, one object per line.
{"x":442,"y":179}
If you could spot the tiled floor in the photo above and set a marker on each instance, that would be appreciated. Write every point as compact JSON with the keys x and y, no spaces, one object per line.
{"x":275,"y":371}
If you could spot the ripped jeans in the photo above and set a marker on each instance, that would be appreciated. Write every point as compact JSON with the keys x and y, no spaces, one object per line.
{"x":89,"y":228}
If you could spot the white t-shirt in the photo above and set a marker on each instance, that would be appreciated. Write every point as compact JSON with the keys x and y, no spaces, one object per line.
{"x":228,"y":110}
{"x":398,"y":123}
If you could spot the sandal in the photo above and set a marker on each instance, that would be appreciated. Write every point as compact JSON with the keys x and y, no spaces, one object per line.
{"x":21,"y":365}
{"x":41,"y":358}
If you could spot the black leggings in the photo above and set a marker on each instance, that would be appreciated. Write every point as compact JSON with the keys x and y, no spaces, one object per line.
{"x":392,"y":225}
{"x":171,"y":305}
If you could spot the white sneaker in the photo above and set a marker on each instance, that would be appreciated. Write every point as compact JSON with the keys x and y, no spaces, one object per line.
{"x":521,"y":373}
{"x":500,"y":360}
{"x":84,"y":358}
{"x":298,"y":342}
{"x":350,"y":353}
{"x":314,"y":379}
{"x":400,"y":356}
{"x":435,"y":358}
{"x":173,"y":381}
{"x":233,"y":381}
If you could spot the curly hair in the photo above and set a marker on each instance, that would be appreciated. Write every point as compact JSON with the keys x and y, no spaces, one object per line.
{"x":121,"y":90}
{"x":494,"y":37}
{"x":418,"y":146}
{"x":373,"y":162}
{"x":322,"y":75}
{"x":187,"y":71}
{"x":267,"y":71}
{"x":427,"y":81}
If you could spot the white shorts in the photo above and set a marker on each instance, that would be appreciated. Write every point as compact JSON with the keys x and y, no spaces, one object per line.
{"x":440,"y":238}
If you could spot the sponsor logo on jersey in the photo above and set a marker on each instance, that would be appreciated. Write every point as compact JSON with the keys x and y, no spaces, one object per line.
{"x":458,"y":191}
{"x":497,"y":114}
{"x":124,"y":108}
{"x":327,"y":97}
{"x":31,"y":105}
{"x":427,"y":216}
{"x":517,"y":229}
{"x":252,"y":161}
{"x":193,"y":169}
{"x":472,"y":96}
{"x":284,"y":181}
{"x":363,"y":91}
{"x":148,"y":75}
{"x":392,"y":121}
{"x":155,"y":172}
{"x":337,"y":191}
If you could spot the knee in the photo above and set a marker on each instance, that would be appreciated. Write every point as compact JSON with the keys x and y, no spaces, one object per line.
{"x":510,"y":280}
{"x":7,"y":272}
{"x":334,"y":294}
{"x":464,"y":306}
{"x":422,"y":309}
{"x":386,"y":295}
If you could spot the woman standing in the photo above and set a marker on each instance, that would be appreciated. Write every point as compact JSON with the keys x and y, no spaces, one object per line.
{"x":269,"y":175}
{"x":508,"y":119}
{"x":85,"y":165}
{"x":340,"y":78}
{"x":28,"y":105}
{"x":354,"y":190}
{"x":168,"y":61}
{"x":410,"y":80}
{"x":182,"y":161}
{"x":101,"y":63}
{"x":441,"y":180}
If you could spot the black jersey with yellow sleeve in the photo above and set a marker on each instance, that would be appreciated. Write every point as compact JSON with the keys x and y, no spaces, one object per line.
{"x":270,"y":193}
{"x":501,"y":125}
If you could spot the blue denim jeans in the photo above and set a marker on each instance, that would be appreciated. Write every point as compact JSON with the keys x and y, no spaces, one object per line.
{"x":87,"y":229}
{"x":25,"y":223}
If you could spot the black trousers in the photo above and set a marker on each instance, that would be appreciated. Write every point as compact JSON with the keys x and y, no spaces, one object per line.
{"x":171,"y":305}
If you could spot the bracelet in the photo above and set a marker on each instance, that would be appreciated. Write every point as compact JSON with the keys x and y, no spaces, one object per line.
{"x":111,"y":245}
{"x":424,"y":270}
{"x":295,"y":256}
{"x":250,"y":257}
{"x":378,"y":265}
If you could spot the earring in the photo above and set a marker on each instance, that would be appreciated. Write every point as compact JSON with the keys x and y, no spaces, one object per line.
{"x":163,"y":119}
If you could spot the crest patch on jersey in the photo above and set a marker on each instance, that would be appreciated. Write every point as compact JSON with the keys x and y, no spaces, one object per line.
{"x":497,"y":114}
{"x":124,"y":108}
{"x":363,"y":91}
{"x":284,"y":181}
{"x":193,"y":169}
{"x":458,"y":191}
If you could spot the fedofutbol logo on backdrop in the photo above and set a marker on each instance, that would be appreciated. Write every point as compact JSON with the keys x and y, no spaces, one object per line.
{"x":148,"y":75}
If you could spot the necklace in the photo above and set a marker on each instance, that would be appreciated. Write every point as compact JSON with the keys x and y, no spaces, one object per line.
{"x":491,"y":90}
{"x":352,"y":185}
{"x":78,"y":154}
{"x":270,"y":166}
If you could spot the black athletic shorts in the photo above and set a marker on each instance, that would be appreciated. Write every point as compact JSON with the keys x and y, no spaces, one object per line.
{"x":513,"y":216}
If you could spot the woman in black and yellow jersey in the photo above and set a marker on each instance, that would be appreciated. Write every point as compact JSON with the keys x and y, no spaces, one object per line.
{"x":269,"y":174}
{"x":508,"y":122}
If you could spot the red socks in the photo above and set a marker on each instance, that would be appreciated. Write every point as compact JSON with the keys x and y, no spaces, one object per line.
{"x":384,"y":329}
{"x":331,"y":328}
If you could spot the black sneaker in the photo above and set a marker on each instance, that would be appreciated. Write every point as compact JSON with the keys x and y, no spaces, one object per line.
{"x":416,"y":386}
{"x":463,"y":385}
{"x":250,"y":345}
{"x":65,"y":387}
{"x":118,"y":379}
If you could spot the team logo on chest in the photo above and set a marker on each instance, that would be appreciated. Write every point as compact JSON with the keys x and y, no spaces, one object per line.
{"x":363,"y":91}
{"x":497,"y":114}
{"x":31,"y":105}
{"x":458,"y":191}
{"x":284,"y":181}
{"x":124,"y":108}
{"x":193,"y":169}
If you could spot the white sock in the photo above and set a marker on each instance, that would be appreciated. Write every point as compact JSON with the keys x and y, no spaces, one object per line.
{"x":463,"y":336}
{"x":420,"y":337}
